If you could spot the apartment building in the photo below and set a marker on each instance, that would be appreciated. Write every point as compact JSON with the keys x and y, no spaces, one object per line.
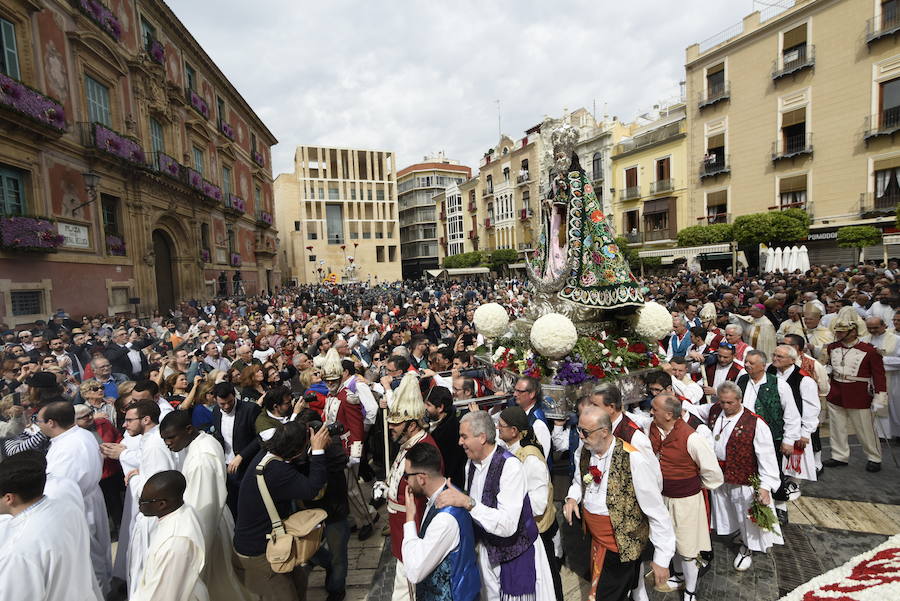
{"x":338,"y":216}
{"x":417,"y":186}
{"x":649,"y":177}
{"x":798,"y":106}
{"x":134,"y":175}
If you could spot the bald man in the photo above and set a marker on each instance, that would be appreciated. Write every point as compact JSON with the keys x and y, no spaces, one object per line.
{"x":176,"y":555}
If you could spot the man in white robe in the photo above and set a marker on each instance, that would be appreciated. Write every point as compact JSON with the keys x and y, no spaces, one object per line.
{"x":477,"y":437}
{"x":44,"y":547}
{"x":152,"y":456}
{"x":802,"y":464}
{"x":175,"y":557}
{"x":204,"y":470}
{"x":759,"y":333}
{"x":793,"y":324}
{"x":889,"y":349}
{"x":75,"y":454}
{"x":730,"y":503}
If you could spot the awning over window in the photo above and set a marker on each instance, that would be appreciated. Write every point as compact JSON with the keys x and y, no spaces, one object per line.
{"x":434,"y":272}
{"x":467,"y":271}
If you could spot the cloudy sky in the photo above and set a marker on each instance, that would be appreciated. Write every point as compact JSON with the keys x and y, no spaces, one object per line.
{"x":418,"y":77}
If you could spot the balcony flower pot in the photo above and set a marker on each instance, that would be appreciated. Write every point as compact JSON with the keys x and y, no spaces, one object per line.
{"x":101,"y":15}
{"x":235,"y":260}
{"x":258,"y":158}
{"x":226,"y":129}
{"x":169,"y":166}
{"x":156,"y":51}
{"x":115,"y":246}
{"x":204,"y":255}
{"x":32,"y":104}
{"x":194,"y":179}
{"x":118,"y":145}
{"x":29,"y":234}
{"x":212,"y":192}
{"x":200,"y":105}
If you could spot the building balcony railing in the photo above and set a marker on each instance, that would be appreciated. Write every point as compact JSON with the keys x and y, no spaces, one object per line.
{"x":650,"y":138}
{"x":198,"y":103}
{"x":155,"y":50}
{"x":713,"y":165}
{"x":473,"y":207}
{"x":488,"y":223}
{"x":712,"y":218}
{"x":264,"y":219}
{"x":97,"y":135}
{"x":714,"y":95}
{"x":885,"y":123}
{"x":806,"y":207}
{"x":873,"y":205}
{"x":234,"y":205}
{"x":258,"y":158}
{"x":886,"y":24}
{"x":655,"y":235}
{"x":487,"y":192}
{"x":524,"y":214}
{"x":634,"y":237}
{"x":523,"y":179}
{"x":630,"y":193}
{"x":792,"y":146}
{"x":336,"y":238}
{"x":804,"y":57}
{"x":662,"y":185}
{"x":265,"y":247}
{"x":22,"y":100}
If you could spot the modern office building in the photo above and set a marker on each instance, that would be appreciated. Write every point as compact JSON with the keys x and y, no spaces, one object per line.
{"x":337,"y":214}
{"x":417,"y":186}
{"x":132,"y":169}
{"x":799,"y":106}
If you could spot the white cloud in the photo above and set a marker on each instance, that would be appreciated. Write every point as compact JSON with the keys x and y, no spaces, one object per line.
{"x":418,"y":77}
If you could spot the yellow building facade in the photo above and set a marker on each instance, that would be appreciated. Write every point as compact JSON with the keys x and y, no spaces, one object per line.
{"x":798,"y":108}
{"x":650,"y":178}
{"x":338,"y":216}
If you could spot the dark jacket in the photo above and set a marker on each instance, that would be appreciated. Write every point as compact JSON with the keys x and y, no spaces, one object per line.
{"x":244,"y":439}
{"x":446,"y":435}
{"x":118,"y":358}
{"x":334,"y":500}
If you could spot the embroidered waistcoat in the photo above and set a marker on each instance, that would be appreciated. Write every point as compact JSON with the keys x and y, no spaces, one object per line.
{"x":740,"y":458}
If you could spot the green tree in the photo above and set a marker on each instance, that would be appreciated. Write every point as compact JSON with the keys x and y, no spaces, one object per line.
{"x":768,"y":228}
{"x":503,"y":257}
{"x":699,"y":235}
{"x":858,"y":237}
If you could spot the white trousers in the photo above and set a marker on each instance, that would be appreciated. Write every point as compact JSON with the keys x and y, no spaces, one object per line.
{"x":861,"y":419}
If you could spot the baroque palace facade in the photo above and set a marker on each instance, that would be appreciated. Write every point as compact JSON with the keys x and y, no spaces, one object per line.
{"x":132,"y":169}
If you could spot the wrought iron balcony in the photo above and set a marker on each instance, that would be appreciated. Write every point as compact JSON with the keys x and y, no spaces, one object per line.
{"x":662,"y":185}
{"x":884,"y":25}
{"x":872,"y":205}
{"x":885,"y":123}
{"x":634,"y":237}
{"x":715,"y":94}
{"x":804,"y":57}
{"x":792,"y":146}
{"x":630,"y":193}
{"x":523,"y":179}
{"x":714,"y":164}
{"x":663,"y":234}
{"x":712,"y":218}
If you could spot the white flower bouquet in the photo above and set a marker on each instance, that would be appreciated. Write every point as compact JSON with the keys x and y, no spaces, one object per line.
{"x":491,"y":320}
{"x":553,"y":335}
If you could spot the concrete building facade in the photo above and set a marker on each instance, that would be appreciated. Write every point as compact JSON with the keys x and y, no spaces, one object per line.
{"x":132,"y":168}
{"x":417,"y":186}
{"x":799,"y":108}
{"x":338,"y":216}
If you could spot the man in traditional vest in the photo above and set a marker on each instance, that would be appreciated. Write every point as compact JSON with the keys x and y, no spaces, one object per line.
{"x":857,"y":370}
{"x":511,"y":556}
{"x":440,"y":555}
{"x":529,"y":397}
{"x":688,"y":465}
{"x":514,"y":431}
{"x":660,"y":382}
{"x":609,"y":398}
{"x":405,"y":421}
{"x":887,"y":344}
{"x":679,"y":340}
{"x":743,"y":445}
{"x":771,"y":398}
{"x":733,"y":336}
{"x":724,"y":369}
{"x":617,"y":492}
{"x":812,"y":366}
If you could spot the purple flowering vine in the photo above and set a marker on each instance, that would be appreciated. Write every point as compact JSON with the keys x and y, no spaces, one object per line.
{"x":98,"y":12}
{"x":29,"y":234}
{"x":118,"y":145}
{"x":31,"y":103}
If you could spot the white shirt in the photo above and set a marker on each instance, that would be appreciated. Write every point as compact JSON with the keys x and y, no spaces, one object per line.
{"x":541,"y":432}
{"x":422,"y":555}
{"x":722,"y":374}
{"x":134,"y":356}
{"x":809,"y":395}
{"x":689,"y":390}
{"x":263,"y":356}
{"x":227,"y":432}
{"x":788,"y":407}
{"x":164,"y":407}
{"x":537,"y":477}
{"x":647,"y":484}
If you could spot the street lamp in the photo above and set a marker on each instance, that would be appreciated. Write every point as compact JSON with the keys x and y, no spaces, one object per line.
{"x":91,"y":181}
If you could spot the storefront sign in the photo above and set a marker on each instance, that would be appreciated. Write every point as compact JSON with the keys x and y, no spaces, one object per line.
{"x":823,"y":236}
{"x":76,"y":236}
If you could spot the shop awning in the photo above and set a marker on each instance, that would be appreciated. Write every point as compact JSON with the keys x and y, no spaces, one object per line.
{"x":687,"y":252}
{"x":434,"y":272}
{"x":516,"y":265}
{"x":890,"y":239}
{"x":468,"y":271}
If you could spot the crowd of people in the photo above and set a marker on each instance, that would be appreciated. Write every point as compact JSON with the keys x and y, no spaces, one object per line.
{"x":178,"y":435}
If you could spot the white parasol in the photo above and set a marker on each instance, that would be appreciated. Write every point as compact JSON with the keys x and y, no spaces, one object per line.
{"x":770,"y":259}
{"x":776,"y":264}
{"x":803,"y":260}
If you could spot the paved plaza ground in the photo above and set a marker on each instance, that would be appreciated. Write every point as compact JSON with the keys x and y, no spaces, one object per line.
{"x":847,"y":512}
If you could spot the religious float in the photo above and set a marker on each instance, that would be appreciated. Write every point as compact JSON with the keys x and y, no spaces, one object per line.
{"x":587,"y":322}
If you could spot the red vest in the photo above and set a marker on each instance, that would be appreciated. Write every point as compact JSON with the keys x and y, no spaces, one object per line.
{"x":352,"y":418}
{"x":740,"y":458}
{"x":681,"y":476}
{"x":731,"y":376}
{"x":626,"y":429}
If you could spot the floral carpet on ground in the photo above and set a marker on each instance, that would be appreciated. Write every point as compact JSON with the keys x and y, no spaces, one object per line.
{"x":871,"y":576}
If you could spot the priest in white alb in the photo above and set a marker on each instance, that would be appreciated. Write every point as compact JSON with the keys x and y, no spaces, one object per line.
{"x":887,"y":344}
{"x":204,"y":470}
{"x":758,"y":331}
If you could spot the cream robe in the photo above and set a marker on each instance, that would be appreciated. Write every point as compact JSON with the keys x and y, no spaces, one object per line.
{"x":888,"y":344}
{"x":174,"y":560}
{"x":790,"y":327}
{"x":45,"y":555}
{"x":204,"y":470}
{"x":818,"y":339}
{"x":758,"y":332}
{"x":75,"y":454}
{"x":130,"y":459}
